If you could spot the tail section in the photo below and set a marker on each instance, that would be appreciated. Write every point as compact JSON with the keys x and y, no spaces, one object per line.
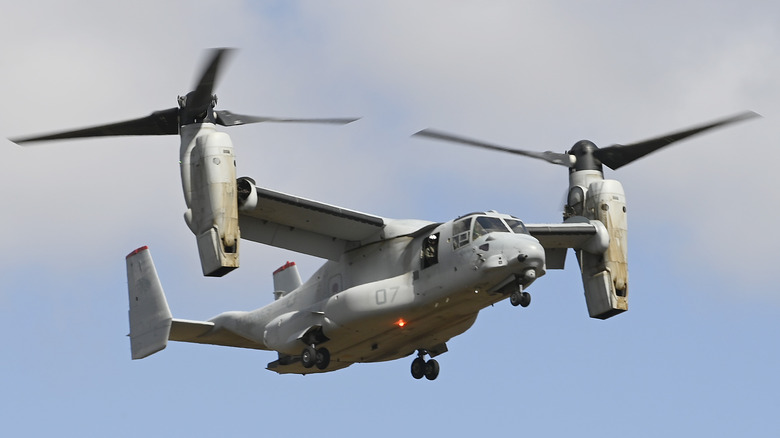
{"x":150,"y":317}
{"x":286,"y":280}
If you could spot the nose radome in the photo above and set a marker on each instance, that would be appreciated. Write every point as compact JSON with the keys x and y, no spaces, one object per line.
{"x":530,"y":253}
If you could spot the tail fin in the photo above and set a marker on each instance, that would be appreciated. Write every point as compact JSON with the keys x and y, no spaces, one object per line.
{"x":286,"y":280}
{"x":150,"y":317}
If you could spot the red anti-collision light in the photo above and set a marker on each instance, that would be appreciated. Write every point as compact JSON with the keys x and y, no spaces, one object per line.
{"x":143,"y":248}
{"x":286,"y":265}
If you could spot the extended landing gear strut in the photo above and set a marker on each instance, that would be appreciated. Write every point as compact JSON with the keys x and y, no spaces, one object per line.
{"x":420,"y":367}
{"x":520,"y":297}
{"x":311,"y":356}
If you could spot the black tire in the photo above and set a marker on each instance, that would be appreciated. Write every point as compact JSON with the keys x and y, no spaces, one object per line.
{"x":322,"y":358}
{"x":431,"y":369}
{"x":418,"y":368}
{"x":516,"y":298}
{"x":308,"y":357}
{"x":525,"y":299}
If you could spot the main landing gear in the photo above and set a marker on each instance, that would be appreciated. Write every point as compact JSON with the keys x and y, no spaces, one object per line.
{"x":420,"y":367}
{"x":311,"y":356}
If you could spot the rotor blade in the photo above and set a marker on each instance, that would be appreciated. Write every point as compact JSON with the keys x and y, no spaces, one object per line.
{"x":165,"y":122}
{"x":551,"y":157}
{"x":226,"y":118}
{"x":200,"y":98}
{"x":616,"y":156}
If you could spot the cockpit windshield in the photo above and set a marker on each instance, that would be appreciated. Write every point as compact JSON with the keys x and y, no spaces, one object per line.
{"x":486,"y":224}
{"x":516,"y":226}
{"x":473,"y":227}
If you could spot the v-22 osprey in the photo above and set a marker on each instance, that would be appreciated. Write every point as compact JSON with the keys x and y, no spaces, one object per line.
{"x":391,"y":288}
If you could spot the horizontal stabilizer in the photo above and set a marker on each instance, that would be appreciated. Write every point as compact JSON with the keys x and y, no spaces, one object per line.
{"x":150,"y":317}
{"x":206,"y":332}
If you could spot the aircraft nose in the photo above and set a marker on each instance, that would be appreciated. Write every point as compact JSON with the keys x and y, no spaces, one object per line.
{"x":530,"y":254}
{"x":521,"y":253}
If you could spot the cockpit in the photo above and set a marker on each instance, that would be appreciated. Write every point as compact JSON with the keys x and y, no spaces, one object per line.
{"x":473,"y":226}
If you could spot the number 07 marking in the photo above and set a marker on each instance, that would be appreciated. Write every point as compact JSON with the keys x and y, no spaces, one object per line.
{"x":381,"y":295}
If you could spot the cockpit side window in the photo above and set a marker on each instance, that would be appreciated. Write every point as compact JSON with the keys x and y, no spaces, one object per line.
{"x":461,"y":231}
{"x":485,"y":224}
{"x":516,"y":226}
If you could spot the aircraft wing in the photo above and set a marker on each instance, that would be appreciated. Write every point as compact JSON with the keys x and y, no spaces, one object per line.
{"x":566,"y":235}
{"x":202,"y":332}
{"x":577,"y":233}
{"x":303,"y":225}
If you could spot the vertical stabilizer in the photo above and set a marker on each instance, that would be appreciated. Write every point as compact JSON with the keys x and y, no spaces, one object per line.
{"x":286,"y":280}
{"x":150,"y":317}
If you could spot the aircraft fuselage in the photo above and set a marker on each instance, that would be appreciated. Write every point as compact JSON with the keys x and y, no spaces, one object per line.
{"x":385,"y":300}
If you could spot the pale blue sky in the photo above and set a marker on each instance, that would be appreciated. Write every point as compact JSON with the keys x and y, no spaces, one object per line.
{"x":697,"y":353}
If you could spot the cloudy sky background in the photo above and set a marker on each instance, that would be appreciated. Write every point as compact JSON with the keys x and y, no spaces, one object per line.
{"x":697,"y":352}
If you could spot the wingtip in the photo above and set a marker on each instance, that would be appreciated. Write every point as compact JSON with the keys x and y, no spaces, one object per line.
{"x":20,"y":140}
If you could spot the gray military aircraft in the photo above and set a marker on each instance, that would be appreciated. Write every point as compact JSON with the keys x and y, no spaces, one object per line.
{"x":390,"y":288}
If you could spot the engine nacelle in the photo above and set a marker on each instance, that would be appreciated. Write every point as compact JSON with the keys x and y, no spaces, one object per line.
{"x":604,"y":276}
{"x":209,"y":183}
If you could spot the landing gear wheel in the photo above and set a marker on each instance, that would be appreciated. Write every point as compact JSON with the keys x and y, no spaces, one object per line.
{"x":431,"y":369}
{"x":308,"y":357}
{"x":518,"y":298}
{"x":322,"y":358}
{"x":418,"y":368}
{"x":525,"y":301}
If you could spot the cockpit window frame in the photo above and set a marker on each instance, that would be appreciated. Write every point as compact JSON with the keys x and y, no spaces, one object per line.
{"x":461,"y":235}
{"x":520,"y":225}
{"x":483,"y":225}
{"x":464,"y":228}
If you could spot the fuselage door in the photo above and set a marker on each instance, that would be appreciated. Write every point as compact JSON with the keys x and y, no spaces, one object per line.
{"x":430,"y":250}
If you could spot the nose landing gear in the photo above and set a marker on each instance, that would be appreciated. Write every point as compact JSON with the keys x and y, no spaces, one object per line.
{"x":420,"y":368}
{"x":517,"y":296}
{"x":520,"y":298}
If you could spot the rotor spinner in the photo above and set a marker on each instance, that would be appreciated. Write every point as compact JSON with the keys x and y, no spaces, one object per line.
{"x":583,"y":156}
{"x":191,"y":115}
